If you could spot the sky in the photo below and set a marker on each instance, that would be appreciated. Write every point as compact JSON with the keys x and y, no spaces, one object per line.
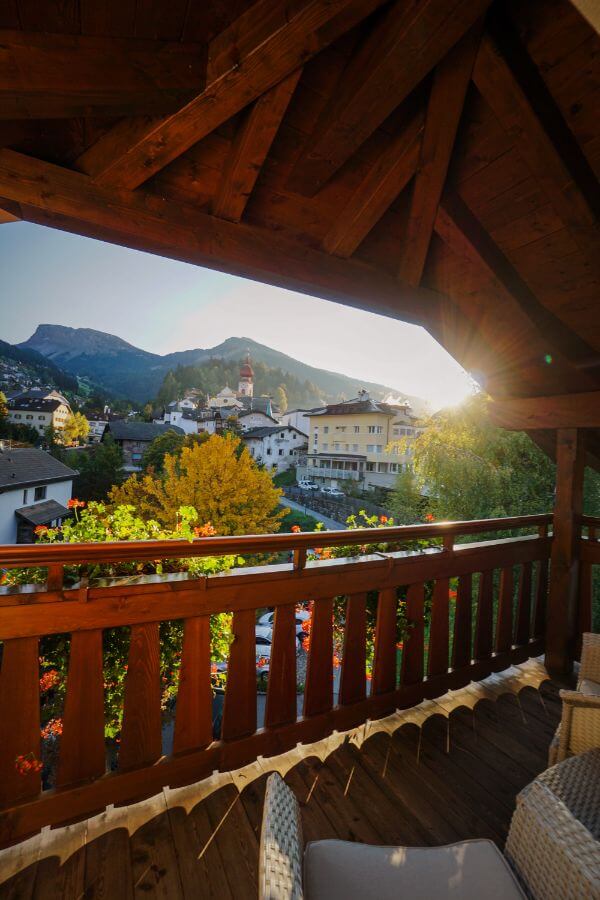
{"x":161,"y":305}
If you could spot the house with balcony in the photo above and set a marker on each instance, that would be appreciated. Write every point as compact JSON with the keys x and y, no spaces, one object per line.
{"x":435,"y":162}
{"x":363,"y":440}
{"x":40,"y":408}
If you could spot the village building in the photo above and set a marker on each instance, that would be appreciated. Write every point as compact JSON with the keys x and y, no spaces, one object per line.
{"x":277,"y":447}
{"x":134,"y":437}
{"x":362,"y":439}
{"x":39,"y":408}
{"x":299,"y":418}
{"x":35,"y":489}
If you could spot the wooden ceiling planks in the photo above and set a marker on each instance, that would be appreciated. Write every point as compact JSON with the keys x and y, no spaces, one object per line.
{"x":318,"y":193}
{"x":374,"y":82}
{"x":60,"y":76}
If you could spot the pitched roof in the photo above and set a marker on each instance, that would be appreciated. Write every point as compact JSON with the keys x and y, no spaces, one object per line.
{"x":265,"y":430}
{"x":359,"y":407}
{"x":23,"y":466}
{"x":122,"y":430}
{"x":26,"y":404}
{"x":42,"y":513}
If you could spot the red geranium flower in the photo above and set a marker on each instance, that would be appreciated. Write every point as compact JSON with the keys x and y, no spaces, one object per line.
{"x":296,"y":529}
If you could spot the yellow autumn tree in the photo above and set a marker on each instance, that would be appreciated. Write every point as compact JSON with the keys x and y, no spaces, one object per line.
{"x":218,"y":478}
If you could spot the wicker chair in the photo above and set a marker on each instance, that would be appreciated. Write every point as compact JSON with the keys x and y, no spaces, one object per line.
{"x":579,"y":729}
{"x":342,"y":870}
{"x":554,"y":838}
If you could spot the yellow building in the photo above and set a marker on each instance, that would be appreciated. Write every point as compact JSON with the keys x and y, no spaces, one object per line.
{"x":358,"y":439}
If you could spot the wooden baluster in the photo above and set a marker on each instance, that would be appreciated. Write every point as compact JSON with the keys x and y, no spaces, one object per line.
{"x":484,"y":623}
{"x":461,"y":643}
{"x":141,"y":739}
{"x":504,"y":623}
{"x":193,"y":716}
{"x":412,"y":654}
{"x":281,"y":691}
{"x":541,"y":599}
{"x":318,"y":696}
{"x":239,"y":711}
{"x":439,"y":631}
{"x":19,"y":719}
{"x":384,"y":662}
{"x":82,"y":751}
{"x":523,"y":624}
{"x":353,"y":682}
{"x":54,"y":580}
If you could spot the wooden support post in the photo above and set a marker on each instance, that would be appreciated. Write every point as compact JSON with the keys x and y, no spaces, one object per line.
{"x":562,"y":602}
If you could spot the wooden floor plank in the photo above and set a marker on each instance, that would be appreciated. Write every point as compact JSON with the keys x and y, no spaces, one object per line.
{"x":236,"y":841}
{"x":108,"y":871}
{"x":379,"y":794}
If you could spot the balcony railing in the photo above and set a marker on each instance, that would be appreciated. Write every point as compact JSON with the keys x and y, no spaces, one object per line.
{"x":467,"y":639}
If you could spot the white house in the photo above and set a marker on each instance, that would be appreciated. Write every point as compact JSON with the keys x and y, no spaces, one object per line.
{"x":299,"y":418}
{"x":277,"y":447}
{"x":39,"y":408}
{"x":256,"y":419}
{"x":34,"y":490}
{"x":182,"y":416}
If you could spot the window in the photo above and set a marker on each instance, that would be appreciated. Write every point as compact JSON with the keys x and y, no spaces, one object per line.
{"x":393,"y":467}
{"x":325,"y":447}
{"x":41,"y":417}
{"x":17,"y":415}
{"x":355,"y":448}
{"x":29,"y":416}
{"x":336,"y":445}
{"x":347,"y":447}
{"x":326,"y":429}
{"x":370,"y":467}
{"x":269,"y":452}
{"x":382,"y":467}
{"x":357,"y":429}
{"x":40,"y":493}
{"x":375,"y":429}
{"x":281,"y":434}
{"x":25,"y":495}
{"x":370,"y":448}
{"x":281,"y":452}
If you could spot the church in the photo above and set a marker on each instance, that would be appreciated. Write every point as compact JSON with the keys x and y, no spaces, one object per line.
{"x":243,"y":400}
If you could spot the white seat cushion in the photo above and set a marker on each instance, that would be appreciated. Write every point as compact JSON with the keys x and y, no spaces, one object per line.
{"x":470,"y":870}
{"x":589,"y":688}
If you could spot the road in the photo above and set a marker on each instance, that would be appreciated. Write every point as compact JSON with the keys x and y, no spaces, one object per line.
{"x":330,"y":524}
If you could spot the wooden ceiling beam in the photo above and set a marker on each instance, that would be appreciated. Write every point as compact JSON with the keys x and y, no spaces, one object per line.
{"x":51,"y":195}
{"x":446,"y":101}
{"x":44,"y":76}
{"x":464,"y":234}
{"x":250,"y":148}
{"x":590,"y":10}
{"x":515,"y":91}
{"x":566,"y":411}
{"x":6,"y":217}
{"x":406,"y":44}
{"x":265,"y":45}
{"x":383,"y":183}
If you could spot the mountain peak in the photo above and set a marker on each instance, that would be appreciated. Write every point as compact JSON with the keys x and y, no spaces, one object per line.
{"x":69,"y":343}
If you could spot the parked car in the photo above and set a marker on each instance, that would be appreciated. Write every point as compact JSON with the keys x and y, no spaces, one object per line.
{"x":332,"y":492}
{"x":264,"y":626}
{"x":307,"y":485}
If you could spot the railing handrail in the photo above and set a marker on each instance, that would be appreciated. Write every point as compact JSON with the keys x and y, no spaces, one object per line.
{"x":12,"y":555}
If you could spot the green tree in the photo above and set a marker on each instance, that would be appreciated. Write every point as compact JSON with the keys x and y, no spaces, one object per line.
{"x":169,"y":442}
{"x":147,"y":412}
{"x":472,"y":470}
{"x":76,"y":428}
{"x":406,"y":501}
{"x":281,"y":398}
{"x":3,"y":412}
{"x":224,"y":486}
{"x":100,"y":470}
{"x":169,"y":390}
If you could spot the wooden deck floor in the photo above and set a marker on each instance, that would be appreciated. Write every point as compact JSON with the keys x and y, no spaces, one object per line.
{"x":379,"y":794}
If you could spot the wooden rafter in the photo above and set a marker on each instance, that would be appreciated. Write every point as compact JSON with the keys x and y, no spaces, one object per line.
{"x":7,"y":217}
{"x":565,"y":411}
{"x":263,"y":47}
{"x":461,"y":230}
{"x":451,"y":79}
{"x":58,"y":75}
{"x":49,"y":194}
{"x":590,"y":10}
{"x":250,"y":147}
{"x":378,"y":190}
{"x":408,"y":41}
{"x":528,"y":114}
